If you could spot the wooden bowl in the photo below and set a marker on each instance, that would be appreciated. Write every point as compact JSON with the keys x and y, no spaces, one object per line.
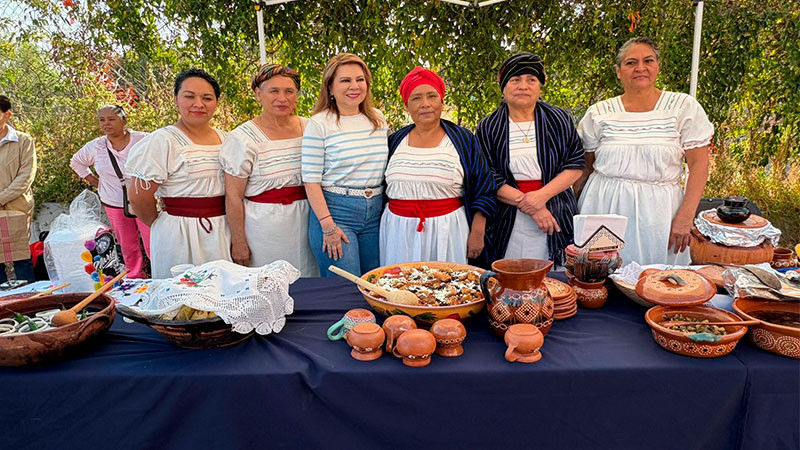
{"x":771,"y":337}
{"x":630,"y":291}
{"x":680,"y":343}
{"x":424,"y":315}
{"x":703,"y":251}
{"x":192,"y":334}
{"x":57,"y":343}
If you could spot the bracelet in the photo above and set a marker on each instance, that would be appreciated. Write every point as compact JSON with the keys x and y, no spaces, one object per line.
{"x":323,"y":218}
{"x":326,"y":233}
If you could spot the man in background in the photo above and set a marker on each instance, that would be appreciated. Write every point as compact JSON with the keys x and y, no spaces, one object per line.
{"x":17,"y":169}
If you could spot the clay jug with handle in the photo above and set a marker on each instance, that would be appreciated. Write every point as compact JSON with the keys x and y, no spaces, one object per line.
{"x":515,"y":293}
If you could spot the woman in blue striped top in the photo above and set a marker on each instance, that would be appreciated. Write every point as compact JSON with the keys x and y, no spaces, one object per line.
{"x":536,"y":155}
{"x":344,"y":154}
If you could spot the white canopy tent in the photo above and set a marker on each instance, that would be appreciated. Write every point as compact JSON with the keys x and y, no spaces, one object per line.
{"x":698,"y":30}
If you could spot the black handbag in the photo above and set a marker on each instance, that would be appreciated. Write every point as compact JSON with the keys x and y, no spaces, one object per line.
{"x":126,"y":208}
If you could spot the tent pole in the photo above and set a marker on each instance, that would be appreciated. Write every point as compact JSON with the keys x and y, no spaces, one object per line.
{"x":262,"y":47}
{"x":698,"y":31}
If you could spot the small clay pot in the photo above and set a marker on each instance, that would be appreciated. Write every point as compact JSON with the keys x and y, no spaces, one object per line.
{"x":415,"y":347}
{"x":590,"y":295}
{"x":366,"y":340}
{"x":348,"y":321}
{"x":783,"y":258}
{"x":524,"y":341}
{"x":394,"y":326}
{"x":449,"y":334}
{"x":733,"y":210}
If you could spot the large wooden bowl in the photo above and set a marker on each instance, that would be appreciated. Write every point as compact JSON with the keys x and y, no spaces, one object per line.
{"x":681,"y":344}
{"x":769,"y":336}
{"x":424,"y":315}
{"x":703,"y":251}
{"x":192,"y":334}
{"x":53,"y":344}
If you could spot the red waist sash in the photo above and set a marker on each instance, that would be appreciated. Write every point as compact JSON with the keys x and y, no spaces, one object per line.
{"x":284,"y":196}
{"x":200,"y":207}
{"x":424,"y":208}
{"x":529,"y":185}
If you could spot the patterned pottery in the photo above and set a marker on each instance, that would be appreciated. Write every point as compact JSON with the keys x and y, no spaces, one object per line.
{"x":423,"y":315}
{"x":681,"y":344}
{"x":348,"y":321}
{"x":415,"y":347}
{"x":783,"y":258}
{"x":366,"y":340}
{"x":590,"y":295}
{"x":394,"y":326}
{"x":771,"y":337}
{"x":524,"y":341}
{"x":515,"y":293}
{"x":449,"y":334}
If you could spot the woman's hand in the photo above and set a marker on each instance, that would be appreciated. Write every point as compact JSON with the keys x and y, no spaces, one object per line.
{"x":475,"y":243}
{"x":240,"y":252}
{"x":93,"y":180}
{"x":545,"y":221}
{"x":332,"y":243}
{"x":680,"y":233}
{"x":532,"y":202}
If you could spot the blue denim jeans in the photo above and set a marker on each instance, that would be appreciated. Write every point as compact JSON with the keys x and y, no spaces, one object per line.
{"x":359,"y":218}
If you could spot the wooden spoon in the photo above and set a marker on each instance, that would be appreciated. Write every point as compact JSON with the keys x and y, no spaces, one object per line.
{"x":51,"y":290}
{"x":69,"y":316}
{"x":400,"y":297}
{"x":744,"y":323}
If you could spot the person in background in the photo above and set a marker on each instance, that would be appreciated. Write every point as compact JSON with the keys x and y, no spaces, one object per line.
{"x":636,"y":144}
{"x":17,"y":171}
{"x":180,"y":164}
{"x":536,"y":155}
{"x":439,"y":185}
{"x":265,"y":200}
{"x":108,"y":155}
{"x":344,"y":156}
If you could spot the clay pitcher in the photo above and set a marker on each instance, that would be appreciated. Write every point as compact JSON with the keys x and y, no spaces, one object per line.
{"x":515,"y":293}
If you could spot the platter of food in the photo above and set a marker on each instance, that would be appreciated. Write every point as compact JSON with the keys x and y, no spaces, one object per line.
{"x":444,"y":290}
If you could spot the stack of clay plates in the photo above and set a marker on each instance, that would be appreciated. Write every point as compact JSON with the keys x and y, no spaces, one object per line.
{"x":565,"y":303}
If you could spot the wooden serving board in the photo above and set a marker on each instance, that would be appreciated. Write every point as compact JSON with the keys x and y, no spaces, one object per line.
{"x":753,"y":221}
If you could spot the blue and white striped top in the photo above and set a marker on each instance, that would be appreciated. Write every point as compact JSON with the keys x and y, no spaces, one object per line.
{"x":348,"y":153}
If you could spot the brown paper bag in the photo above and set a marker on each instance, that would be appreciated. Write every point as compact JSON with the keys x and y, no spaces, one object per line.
{"x":14,"y":236}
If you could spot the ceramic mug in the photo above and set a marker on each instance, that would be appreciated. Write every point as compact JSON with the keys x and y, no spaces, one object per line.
{"x":415,"y":347}
{"x":524,"y":341}
{"x":449,"y":334}
{"x":394,"y":326}
{"x":366,"y":339}
{"x":345,"y":324}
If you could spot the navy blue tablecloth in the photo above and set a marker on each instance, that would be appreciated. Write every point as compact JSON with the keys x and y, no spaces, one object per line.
{"x":602,"y":383}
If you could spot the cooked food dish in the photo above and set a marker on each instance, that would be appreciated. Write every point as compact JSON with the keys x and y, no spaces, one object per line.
{"x":785,"y":318}
{"x":187,"y":313}
{"x":434,"y":287}
{"x":694,"y":329}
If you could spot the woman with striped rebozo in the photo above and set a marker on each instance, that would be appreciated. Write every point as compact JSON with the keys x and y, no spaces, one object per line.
{"x":536,"y":155}
{"x":636,"y":144}
{"x":439,"y":185}
{"x":344,"y":156}
{"x":180,"y":165}
{"x":265,"y":202}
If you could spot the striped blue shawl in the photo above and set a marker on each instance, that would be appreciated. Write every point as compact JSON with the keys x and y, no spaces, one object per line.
{"x":558,"y":147}
{"x":480,"y":192}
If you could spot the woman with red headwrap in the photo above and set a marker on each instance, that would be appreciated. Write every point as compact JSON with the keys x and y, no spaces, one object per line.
{"x":439,"y":185}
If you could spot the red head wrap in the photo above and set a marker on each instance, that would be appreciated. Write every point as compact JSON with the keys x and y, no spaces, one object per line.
{"x":417,"y":77}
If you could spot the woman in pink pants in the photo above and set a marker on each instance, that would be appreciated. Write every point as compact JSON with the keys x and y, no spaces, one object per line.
{"x":99,"y":152}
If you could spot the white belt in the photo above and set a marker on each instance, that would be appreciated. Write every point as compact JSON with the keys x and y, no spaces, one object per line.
{"x":367,"y":193}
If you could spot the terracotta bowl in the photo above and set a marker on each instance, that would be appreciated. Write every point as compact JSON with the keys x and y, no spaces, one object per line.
{"x":771,"y":337}
{"x":53,"y":344}
{"x":680,"y":343}
{"x":192,"y":334}
{"x":424,"y":315}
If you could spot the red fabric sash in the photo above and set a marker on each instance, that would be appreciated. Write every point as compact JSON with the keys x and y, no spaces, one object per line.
{"x":529,"y":185}
{"x":424,"y":208}
{"x":284,"y":196}
{"x":200,"y":207}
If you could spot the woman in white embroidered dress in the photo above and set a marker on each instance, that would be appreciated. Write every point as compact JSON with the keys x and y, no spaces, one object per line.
{"x":439,"y":185}
{"x":265,"y":200}
{"x":180,"y":165}
{"x":116,"y":143}
{"x":635,"y":147}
